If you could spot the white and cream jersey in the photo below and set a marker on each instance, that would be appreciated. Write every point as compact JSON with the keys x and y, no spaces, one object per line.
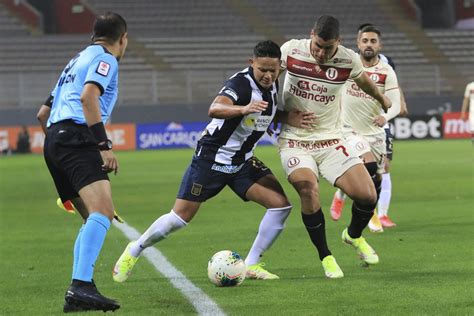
{"x":316,"y":88}
{"x":358,"y":108}
{"x":469,"y":93}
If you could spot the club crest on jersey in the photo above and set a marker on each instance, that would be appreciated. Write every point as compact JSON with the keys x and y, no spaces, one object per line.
{"x":331,"y":73}
{"x":196,"y":189}
{"x":375,"y":77}
{"x":103,"y":68}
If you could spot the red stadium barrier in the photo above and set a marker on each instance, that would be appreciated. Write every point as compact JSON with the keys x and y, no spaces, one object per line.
{"x":454,"y":127}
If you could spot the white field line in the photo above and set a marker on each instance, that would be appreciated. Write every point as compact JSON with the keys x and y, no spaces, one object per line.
{"x":203,"y":304}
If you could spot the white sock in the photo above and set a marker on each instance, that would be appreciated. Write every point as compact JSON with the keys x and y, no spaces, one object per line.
{"x":159,"y":230}
{"x":340,"y":195}
{"x":271,"y":226}
{"x":385,"y":195}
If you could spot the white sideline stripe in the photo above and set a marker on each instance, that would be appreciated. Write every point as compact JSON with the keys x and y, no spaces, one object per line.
{"x":203,"y":304}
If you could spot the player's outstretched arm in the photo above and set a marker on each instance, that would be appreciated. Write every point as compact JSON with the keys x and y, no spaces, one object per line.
{"x":369,"y":87}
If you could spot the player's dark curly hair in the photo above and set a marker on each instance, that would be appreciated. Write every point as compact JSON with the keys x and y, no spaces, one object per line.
{"x":267,"y":49}
{"x":109,"y":27}
{"x":370,"y":28}
{"x":327,"y":27}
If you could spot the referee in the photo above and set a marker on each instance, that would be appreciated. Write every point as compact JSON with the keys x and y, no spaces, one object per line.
{"x":78,"y":153}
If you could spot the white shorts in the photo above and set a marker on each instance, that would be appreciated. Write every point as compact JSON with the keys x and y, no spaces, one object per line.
{"x":369,"y":143}
{"x":329,"y":158}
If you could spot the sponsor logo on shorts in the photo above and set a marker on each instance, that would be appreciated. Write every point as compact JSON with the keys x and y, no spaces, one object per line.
{"x":196,"y":189}
{"x":317,"y":144}
{"x":293,"y":162}
{"x":229,"y":169}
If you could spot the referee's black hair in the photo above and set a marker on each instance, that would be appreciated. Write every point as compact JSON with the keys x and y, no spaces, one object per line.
{"x":327,"y":27}
{"x":109,"y":27}
{"x":267,"y":49}
{"x":370,"y":28}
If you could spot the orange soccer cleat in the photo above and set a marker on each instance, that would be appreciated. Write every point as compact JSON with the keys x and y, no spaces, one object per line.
{"x":387,"y":222}
{"x":336,"y":207}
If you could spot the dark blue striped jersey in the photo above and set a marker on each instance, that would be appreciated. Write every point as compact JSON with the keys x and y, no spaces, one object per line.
{"x":96,"y":65}
{"x":232,"y":141}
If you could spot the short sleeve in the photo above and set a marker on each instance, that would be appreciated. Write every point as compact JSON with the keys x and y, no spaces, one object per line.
{"x":284,"y":54}
{"x":238,"y":90}
{"x":357,"y":68}
{"x":391,"y":81}
{"x":102,"y":70}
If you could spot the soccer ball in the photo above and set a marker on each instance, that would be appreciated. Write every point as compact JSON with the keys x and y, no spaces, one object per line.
{"x":226,"y":268}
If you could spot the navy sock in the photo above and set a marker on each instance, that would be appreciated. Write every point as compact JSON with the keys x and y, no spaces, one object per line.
{"x":361,"y":215}
{"x":316,"y":227}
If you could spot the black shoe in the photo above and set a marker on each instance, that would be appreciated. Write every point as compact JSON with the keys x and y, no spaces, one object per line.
{"x":84,"y":296}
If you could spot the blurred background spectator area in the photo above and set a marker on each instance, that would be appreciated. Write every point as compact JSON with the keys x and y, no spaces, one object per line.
{"x":180,"y":52}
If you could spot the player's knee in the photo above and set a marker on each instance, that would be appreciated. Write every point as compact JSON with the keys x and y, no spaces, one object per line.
{"x":366,"y":195}
{"x":306,"y":190}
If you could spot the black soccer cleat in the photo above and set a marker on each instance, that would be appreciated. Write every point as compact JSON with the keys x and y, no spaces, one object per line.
{"x":84,"y":296}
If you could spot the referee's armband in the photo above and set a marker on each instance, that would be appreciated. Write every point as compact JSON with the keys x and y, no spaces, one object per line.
{"x":98,"y":130}
{"x":49,"y":101}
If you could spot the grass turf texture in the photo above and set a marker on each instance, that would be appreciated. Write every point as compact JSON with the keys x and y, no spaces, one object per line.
{"x":426,"y":262}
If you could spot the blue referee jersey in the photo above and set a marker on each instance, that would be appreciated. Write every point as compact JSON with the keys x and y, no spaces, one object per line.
{"x":96,"y":65}
{"x":232,"y":141}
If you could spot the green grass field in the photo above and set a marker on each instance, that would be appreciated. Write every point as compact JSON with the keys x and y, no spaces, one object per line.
{"x":426,"y":262}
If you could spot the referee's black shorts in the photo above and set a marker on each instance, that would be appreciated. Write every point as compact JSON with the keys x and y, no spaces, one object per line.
{"x":73,"y":158}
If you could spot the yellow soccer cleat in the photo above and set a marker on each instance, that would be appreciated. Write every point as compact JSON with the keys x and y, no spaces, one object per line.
{"x":365,"y":252}
{"x":257,"y":272}
{"x":375,"y":226}
{"x":331,"y":268}
{"x":124,"y":266}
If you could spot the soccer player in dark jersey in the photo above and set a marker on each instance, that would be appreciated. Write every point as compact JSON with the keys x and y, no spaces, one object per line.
{"x":241,"y":113}
{"x":79,"y":155}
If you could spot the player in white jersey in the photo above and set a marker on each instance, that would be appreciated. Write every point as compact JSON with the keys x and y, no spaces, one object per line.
{"x":363,"y":123}
{"x":468,"y":105}
{"x":380,"y":220}
{"x":317,"y":69}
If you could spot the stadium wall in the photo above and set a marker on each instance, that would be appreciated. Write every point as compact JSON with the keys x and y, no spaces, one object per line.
{"x":166,"y":135}
{"x":198,"y":112}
